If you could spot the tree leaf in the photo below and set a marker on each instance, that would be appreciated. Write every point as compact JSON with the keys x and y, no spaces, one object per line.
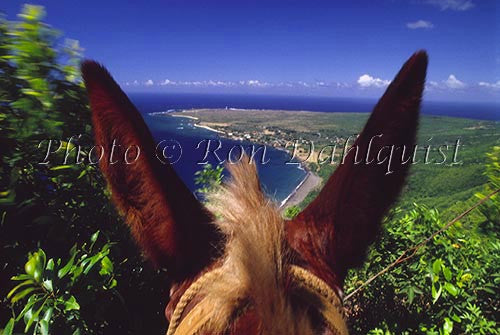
{"x":21,"y":277}
{"x":93,"y":261}
{"x":61,"y":167}
{"x":50,"y":265}
{"x":48,"y":285}
{"x":94,"y":236}
{"x":33,"y":318}
{"x":31,"y":301}
{"x":447,"y":326}
{"x":451,"y":289}
{"x":411,"y":295}
{"x":40,"y":263}
{"x":106,"y":266}
{"x":447,"y":273}
{"x":436,"y":293}
{"x":65,"y":269}
{"x":44,"y":327}
{"x":436,"y":266}
{"x":487,"y":289}
{"x":48,"y":314}
{"x":9,"y":327}
{"x":71,"y":304}
{"x":45,"y":322}
{"x":22,"y":294}
{"x":24,"y":283}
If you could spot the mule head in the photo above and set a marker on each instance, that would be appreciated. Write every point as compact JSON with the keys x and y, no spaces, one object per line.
{"x":330,"y":236}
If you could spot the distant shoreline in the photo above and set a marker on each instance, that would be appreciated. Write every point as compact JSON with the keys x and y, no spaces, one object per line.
{"x":206,"y":127}
{"x":299,"y":193}
{"x":310,"y":182}
{"x":184,"y":116}
{"x":482,"y":110}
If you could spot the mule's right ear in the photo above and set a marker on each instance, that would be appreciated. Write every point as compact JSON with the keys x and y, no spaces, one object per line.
{"x":165,"y":218}
{"x":337,"y":227}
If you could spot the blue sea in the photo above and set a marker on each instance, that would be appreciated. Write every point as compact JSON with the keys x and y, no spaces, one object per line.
{"x":187,"y":144}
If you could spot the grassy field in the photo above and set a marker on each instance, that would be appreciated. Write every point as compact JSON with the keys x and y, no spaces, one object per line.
{"x":444,"y":186}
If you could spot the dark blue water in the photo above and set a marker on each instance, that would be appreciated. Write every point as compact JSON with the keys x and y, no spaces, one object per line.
{"x":163,"y":101}
{"x":186,"y":147}
{"x":278,"y":179}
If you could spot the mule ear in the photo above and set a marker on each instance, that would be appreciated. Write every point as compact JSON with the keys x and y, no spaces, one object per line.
{"x":343,"y":220}
{"x":165,"y":218}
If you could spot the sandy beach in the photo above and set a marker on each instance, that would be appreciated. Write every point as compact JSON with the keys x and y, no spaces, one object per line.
{"x":310,"y":182}
{"x":207,"y":128}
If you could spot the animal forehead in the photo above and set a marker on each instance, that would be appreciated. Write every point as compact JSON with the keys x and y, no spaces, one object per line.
{"x":195,"y":313}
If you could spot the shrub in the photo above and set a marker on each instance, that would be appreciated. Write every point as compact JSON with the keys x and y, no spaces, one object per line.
{"x":53,"y":206}
{"x":51,"y":291}
{"x":450,"y":286}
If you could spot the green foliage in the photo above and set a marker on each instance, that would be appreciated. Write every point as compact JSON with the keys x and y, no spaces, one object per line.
{"x":55,"y":206}
{"x":450,"y":287}
{"x":51,"y":291}
{"x":491,"y":209}
{"x":291,"y":212}
{"x":209,"y":178}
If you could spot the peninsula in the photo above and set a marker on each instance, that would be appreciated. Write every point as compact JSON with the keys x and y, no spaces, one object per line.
{"x":305,"y":133}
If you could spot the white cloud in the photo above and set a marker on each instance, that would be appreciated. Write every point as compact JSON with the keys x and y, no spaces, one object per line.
{"x":303,"y":83}
{"x":168,"y":82}
{"x":495,"y":86}
{"x":368,"y":81}
{"x":420,"y":24}
{"x":212,"y":83}
{"x":284,"y":84}
{"x":457,"y":5}
{"x":222,"y":83}
{"x":342,"y":85}
{"x":453,"y":83}
{"x":255,"y":83}
{"x":320,"y":83}
{"x":432,"y":85}
{"x":364,"y":81}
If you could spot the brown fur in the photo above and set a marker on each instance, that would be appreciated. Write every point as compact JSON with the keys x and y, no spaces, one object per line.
{"x":256,"y":256}
{"x":336,"y":229}
{"x":330,"y":236}
{"x":168,"y":223}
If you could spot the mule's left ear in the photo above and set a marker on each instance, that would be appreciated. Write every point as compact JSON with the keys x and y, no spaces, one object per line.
{"x":165,"y":218}
{"x":337,"y":227}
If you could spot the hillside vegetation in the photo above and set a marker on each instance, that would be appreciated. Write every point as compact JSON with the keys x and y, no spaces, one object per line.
{"x":68,"y":265}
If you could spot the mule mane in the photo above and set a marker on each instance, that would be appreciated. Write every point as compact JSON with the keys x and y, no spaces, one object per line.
{"x":257,"y":271}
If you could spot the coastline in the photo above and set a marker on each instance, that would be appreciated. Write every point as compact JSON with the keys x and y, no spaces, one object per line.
{"x":207,"y":128}
{"x":308,"y":184}
{"x":184,"y":116}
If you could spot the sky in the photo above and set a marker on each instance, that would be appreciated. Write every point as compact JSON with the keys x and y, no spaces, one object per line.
{"x":326,"y":48}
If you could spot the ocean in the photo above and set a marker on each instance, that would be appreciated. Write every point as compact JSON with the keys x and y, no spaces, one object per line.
{"x":163,"y":101}
{"x":187,"y":144}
